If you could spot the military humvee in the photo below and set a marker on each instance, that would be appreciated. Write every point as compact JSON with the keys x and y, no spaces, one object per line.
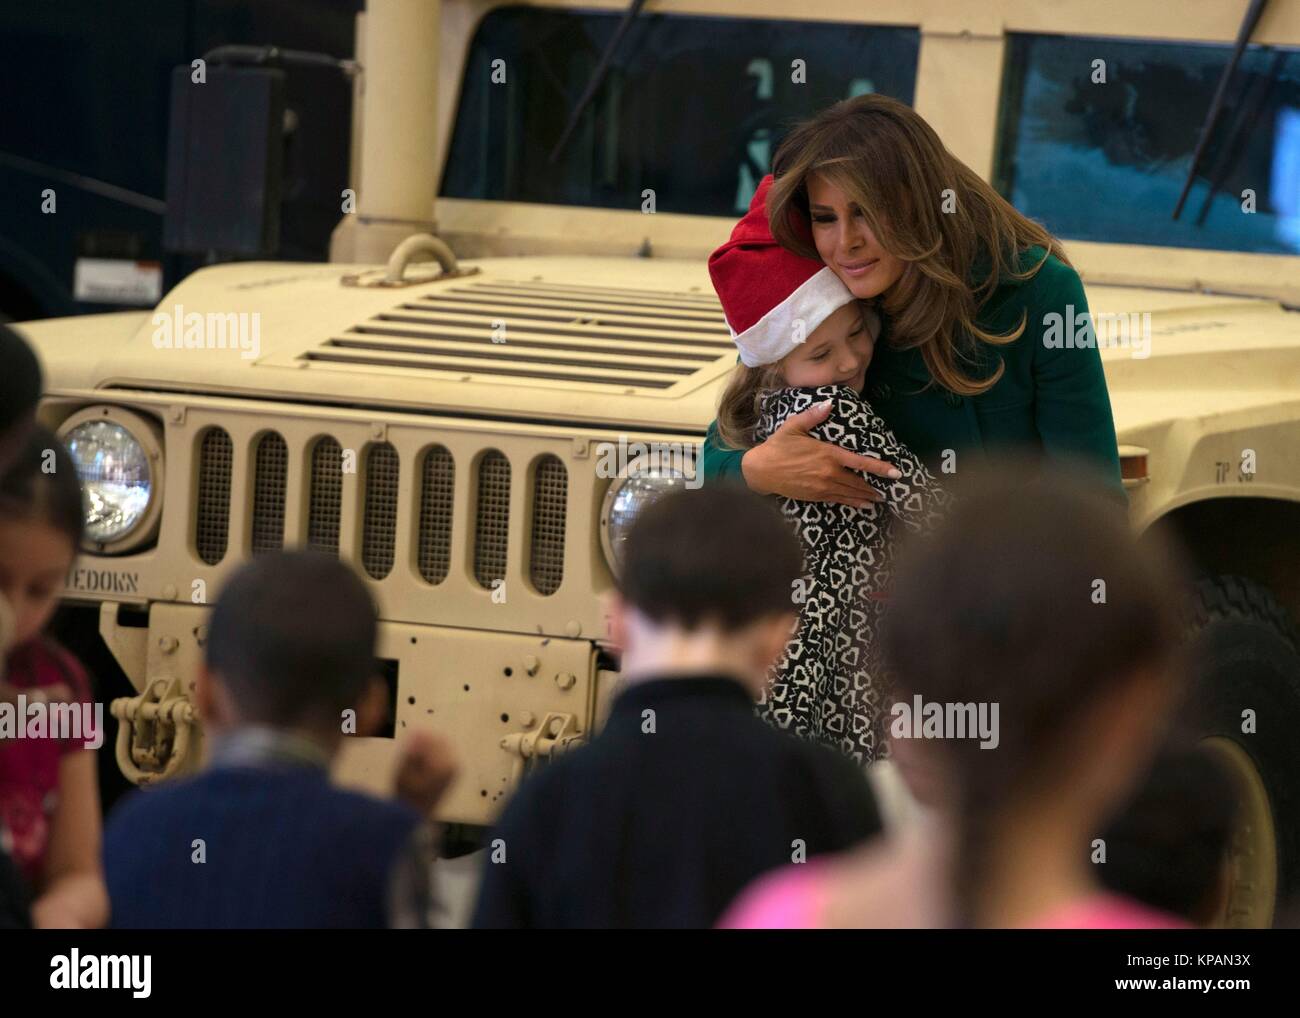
{"x":462,"y":431}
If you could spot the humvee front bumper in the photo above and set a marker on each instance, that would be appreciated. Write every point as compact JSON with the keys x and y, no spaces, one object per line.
{"x":504,"y":700}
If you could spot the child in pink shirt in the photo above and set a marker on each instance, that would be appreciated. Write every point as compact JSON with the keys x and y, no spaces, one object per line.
{"x":49,"y":799}
{"x":997,"y":610}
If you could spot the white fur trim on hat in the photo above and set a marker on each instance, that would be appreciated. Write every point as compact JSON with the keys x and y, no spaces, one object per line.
{"x":778,"y":332}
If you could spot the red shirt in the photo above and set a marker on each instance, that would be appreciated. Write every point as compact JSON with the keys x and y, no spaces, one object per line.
{"x":29,"y":768}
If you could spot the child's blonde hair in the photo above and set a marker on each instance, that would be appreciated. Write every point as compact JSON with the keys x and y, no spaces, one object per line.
{"x":741,"y":402}
{"x":739,"y":407}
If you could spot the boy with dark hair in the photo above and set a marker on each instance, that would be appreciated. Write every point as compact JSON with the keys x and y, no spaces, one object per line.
{"x":685,"y":795}
{"x":262,"y":839}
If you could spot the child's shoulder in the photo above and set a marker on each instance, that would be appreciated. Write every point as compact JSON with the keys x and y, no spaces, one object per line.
{"x":297,"y":788}
{"x":778,"y":404}
{"x":789,"y":898}
{"x":45,"y":662}
{"x":806,"y":396}
{"x":143,"y":807}
{"x":310,"y":789}
{"x":365,"y":810}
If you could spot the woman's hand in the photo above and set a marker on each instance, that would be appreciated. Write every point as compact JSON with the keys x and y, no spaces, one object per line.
{"x":793,"y":463}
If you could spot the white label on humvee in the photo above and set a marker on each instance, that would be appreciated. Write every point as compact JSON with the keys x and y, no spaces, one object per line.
{"x":117,"y":281}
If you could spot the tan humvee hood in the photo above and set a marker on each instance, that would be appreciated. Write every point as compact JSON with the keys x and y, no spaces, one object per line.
{"x":521,"y":338}
{"x":530,"y":338}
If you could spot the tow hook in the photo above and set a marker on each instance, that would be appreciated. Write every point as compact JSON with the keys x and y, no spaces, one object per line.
{"x":153,"y":731}
{"x":558,"y":733}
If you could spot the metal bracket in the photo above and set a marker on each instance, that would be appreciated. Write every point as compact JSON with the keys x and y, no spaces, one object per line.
{"x":417,"y":248}
{"x":154,"y":731}
{"x":558,"y":733}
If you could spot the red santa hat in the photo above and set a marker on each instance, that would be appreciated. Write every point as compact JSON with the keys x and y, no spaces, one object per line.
{"x":772,"y":298}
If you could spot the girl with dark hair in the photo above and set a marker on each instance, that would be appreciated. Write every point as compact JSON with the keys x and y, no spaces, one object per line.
{"x":49,"y":799}
{"x":1070,"y":647}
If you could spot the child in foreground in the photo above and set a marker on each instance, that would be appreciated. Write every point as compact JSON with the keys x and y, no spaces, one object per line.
{"x":806,"y":341}
{"x":996,"y":610}
{"x":49,"y":787}
{"x":261,"y":838}
{"x":684,"y":796}
{"x":20,"y":390}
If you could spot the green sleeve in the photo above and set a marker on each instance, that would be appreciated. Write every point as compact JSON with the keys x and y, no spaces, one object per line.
{"x":1072,"y":405}
{"x":720,"y":462}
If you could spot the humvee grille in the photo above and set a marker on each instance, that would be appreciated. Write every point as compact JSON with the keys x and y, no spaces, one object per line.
{"x":326,"y":500}
{"x":437,"y":487}
{"x":379,"y":531}
{"x":546,"y":549}
{"x":212,"y":519}
{"x":492,"y":519}
{"x":601,"y":336}
{"x":374,"y":506}
{"x":270,"y":475}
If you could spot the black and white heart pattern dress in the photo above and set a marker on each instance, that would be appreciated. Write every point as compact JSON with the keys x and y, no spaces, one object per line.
{"x":827,"y":684}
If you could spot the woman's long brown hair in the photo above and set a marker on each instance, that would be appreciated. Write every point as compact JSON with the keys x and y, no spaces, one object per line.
{"x":893,"y":167}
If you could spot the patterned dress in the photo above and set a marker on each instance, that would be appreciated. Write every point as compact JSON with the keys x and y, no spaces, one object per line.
{"x":826,"y":686}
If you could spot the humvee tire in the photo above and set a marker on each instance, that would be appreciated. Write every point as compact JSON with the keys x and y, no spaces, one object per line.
{"x":1246,"y":658}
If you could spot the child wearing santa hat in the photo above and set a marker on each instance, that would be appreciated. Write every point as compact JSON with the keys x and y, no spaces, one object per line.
{"x":805,"y":339}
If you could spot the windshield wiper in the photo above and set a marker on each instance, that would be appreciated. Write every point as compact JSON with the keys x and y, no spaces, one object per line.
{"x":1244,"y":33}
{"x":1251,"y":106}
{"x":597,"y":77}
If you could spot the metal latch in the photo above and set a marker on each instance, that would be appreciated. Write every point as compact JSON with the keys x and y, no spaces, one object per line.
{"x":154,"y":731}
{"x":558,"y":733}
{"x":416,"y":248}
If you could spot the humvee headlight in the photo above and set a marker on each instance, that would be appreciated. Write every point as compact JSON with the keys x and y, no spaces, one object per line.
{"x":118,"y":457}
{"x":646,"y":480}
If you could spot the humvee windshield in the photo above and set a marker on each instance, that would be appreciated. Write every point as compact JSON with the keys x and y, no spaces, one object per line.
{"x":1105,"y":160}
{"x":732,"y":86}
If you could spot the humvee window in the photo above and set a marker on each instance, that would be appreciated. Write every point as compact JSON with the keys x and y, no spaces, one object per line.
{"x":735,"y":86}
{"x":1097,"y":136}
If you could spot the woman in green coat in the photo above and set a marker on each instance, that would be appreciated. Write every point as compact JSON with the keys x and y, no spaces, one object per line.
{"x":976,"y":302}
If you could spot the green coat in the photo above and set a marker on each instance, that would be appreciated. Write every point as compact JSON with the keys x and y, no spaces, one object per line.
{"x":1050,"y":400}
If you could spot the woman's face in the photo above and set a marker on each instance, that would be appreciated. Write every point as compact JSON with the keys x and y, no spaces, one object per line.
{"x":846,"y":243}
{"x":837,"y":352}
{"x":34,"y":559}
